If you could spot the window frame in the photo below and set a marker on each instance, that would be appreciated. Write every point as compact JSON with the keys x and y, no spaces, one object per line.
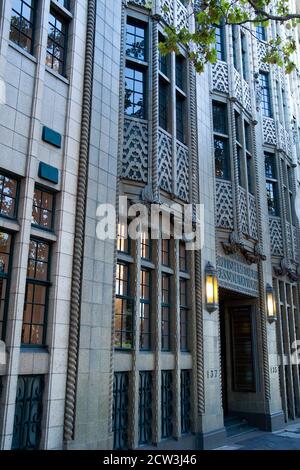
{"x":144,"y":301}
{"x":33,"y":24}
{"x":166,"y":305}
{"x":266,"y":96}
{"x":7,"y":277}
{"x":17,"y":180}
{"x":128,"y":298}
{"x":58,"y":15}
{"x":43,"y":283}
{"x":53,"y":194}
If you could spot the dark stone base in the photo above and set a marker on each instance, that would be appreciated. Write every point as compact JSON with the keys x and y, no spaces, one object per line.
{"x":265,"y":422}
{"x":212,"y":439}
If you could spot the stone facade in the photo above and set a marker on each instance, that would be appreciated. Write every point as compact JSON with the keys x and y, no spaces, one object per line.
{"x":132,"y":356}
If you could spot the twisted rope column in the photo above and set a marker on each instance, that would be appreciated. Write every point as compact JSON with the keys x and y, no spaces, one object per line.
{"x":70,"y":403}
{"x":197,"y":254}
{"x":119,"y":170}
{"x":261,"y":281}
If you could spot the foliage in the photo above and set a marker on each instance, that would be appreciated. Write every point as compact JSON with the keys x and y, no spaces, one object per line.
{"x":211,"y":14}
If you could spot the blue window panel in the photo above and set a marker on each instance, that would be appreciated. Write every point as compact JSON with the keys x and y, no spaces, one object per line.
{"x":48,"y":172}
{"x":51,"y":137}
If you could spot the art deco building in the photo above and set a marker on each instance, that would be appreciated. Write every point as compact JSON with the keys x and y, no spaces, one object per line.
{"x":116,"y":343}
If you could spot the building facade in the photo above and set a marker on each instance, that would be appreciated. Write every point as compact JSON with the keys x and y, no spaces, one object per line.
{"x":112,"y":344}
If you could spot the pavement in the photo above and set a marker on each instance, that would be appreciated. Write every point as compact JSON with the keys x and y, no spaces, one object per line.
{"x":287,"y":438}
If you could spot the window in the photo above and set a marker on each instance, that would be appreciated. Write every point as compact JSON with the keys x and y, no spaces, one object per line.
{"x":122,"y":240}
{"x":235,"y":46}
{"x":244,"y":56}
{"x":57,"y":41}
{"x":64,"y":3}
{"x":124,"y":309}
{"x":8,"y":196}
{"x":183,"y":315}
{"x":145,"y":310}
{"x":265,"y":94}
{"x":42,"y":213}
{"x":135,"y":40}
{"x":165,"y":251}
{"x":185,"y":396}
{"x":165,"y":313}
{"x":5,"y":263}
{"x":166,"y":404}
{"x":145,"y":408}
{"x":180,"y":102}
{"x":261,"y":32}
{"x":135,"y":92}
{"x":120,"y":410}
{"x":163,"y":59}
{"x":36,"y":296}
{"x":163,"y":104}
{"x":136,"y":69}
{"x":249,"y":157}
{"x":28,"y":413}
{"x":22,"y":24}
{"x":239,"y":149}
{"x":146,"y":245}
{"x":221,"y":140}
{"x":220,"y":42}
{"x":271,"y":184}
{"x":182,"y":257}
{"x":180,"y":72}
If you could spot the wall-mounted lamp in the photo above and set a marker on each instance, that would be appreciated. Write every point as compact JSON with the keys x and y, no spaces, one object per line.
{"x":271,"y":304}
{"x":211,"y":288}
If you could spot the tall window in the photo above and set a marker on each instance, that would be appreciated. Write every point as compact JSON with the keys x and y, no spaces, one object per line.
{"x":180,"y":102}
{"x":164,"y":90}
{"x":239,"y":149}
{"x":185,"y":395}
{"x":180,"y":72}
{"x":249,"y":157}
{"x":120,"y":410}
{"x":5,"y":263}
{"x":8,"y":196}
{"x":244,"y":56}
{"x":136,"y":67}
{"x":261,"y":32}
{"x":165,"y":312}
{"x":36,"y":296}
{"x":42,"y":212}
{"x":123,"y":241}
{"x":166,"y":404}
{"x":235,"y":46}
{"x":221,"y":140}
{"x":145,"y":408}
{"x":57,"y":43}
{"x":22,"y":23}
{"x":163,"y":60}
{"x":146,"y":248}
{"x":145,"y":310}
{"x":220,"y":42}
{"x":124,"y":309}
{"x":271,"y":184}
{"x":182,"y":257}
{"x":184,"y":315}
{"x":165,"y":251}
{"x":265,"y":94}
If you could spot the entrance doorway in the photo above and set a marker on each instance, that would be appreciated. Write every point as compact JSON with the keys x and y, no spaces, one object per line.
{"x":238,"y":351}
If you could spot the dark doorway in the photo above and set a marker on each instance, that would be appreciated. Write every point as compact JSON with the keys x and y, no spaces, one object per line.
{"x":237,"y":347}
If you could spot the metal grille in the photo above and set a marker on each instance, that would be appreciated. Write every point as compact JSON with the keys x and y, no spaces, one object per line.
{"x":28,"y":412}
{"x":185,"y":401}
{"x":145,"y":408}
{"x":120,"y":410}
{"x":166,"y":404}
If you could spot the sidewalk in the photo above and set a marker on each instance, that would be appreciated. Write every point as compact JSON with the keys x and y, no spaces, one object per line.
{"x":286,"y":439}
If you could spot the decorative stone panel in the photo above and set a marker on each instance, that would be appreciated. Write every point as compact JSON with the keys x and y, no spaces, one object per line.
{"x":261,"y":52}
{"x":295,"y":238}
{"x":165,"y":161}
{"x":182,"y":172}
{"x":243,"y":210}
{"x":276,"y":236}
{"x":167,"y":11}
{"x":220,"y":76}
{"x":181,"y":14}
{"x":224,"y":204}
{"x":247,"y":96}
{"x":253,"y":217}
{"x":269,"y":131}
{"x":142,"y":3}
{"x":135,"y":151}
{"x":289,"y":241}
{"x":237,"y":86}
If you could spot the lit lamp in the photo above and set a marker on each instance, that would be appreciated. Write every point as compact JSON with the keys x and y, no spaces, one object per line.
{"x":271,"y":304}
{"x":211,"y":286}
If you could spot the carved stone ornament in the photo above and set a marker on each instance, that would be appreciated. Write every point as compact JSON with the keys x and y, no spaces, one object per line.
{"x":285,"y":269}
{"x":147,"y":196}
{"x":234,"y":244}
